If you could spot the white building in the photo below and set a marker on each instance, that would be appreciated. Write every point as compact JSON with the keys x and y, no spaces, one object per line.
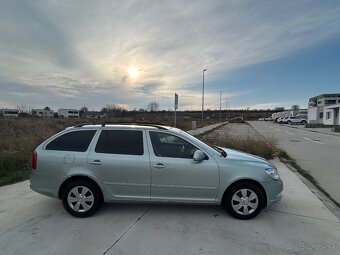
{"x":42,"y":113}
{"x":331,"y":116}
{"x":317,"y":106}
{"x":9,"y":113}
{"x":94,"y":115}
{"x":68,"y":113}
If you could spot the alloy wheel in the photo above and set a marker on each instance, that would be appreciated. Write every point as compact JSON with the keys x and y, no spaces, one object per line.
{"x":244,"y":202}
{"x":80,"y":199}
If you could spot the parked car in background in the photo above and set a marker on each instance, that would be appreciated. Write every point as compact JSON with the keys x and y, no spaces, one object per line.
{"x":295,"y":120}
{"x":280,"y":120}
{"x":86,"y":165}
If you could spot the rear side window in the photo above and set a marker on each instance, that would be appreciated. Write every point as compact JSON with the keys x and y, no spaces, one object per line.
{"x":129,"y":142}
{"x":72,"y":141}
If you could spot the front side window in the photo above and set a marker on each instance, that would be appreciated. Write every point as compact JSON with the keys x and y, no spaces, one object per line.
{"x":167,"y":145}
{"x":128,"y":142}
{"x":72,"y":141}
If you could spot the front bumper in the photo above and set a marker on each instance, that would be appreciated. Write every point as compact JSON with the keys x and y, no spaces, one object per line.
{"x":274,"y":191}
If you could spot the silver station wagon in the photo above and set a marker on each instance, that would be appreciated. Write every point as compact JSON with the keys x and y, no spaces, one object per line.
{"x":87,"y":165}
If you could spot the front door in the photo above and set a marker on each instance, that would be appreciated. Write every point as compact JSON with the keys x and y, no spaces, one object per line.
{"x":120,"y":161}
{"x":175,"y":175}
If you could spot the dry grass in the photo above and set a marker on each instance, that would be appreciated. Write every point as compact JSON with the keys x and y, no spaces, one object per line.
{"x":19,"y":137}
{"x":256,"y":145}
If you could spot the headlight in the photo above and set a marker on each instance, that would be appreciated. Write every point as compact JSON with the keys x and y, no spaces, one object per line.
{"x":272,"y":172}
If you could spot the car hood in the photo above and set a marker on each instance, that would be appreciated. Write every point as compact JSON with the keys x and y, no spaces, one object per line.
{"x":238,"y":155}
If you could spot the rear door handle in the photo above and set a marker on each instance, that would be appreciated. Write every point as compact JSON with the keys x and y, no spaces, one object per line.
{"x":96,"y":162}
{"x":159,"y":165}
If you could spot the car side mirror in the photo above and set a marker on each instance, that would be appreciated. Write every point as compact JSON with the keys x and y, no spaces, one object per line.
{"x":198,"y":155}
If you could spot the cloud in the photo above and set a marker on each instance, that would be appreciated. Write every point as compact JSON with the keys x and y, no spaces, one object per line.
{"x":78,"y":52}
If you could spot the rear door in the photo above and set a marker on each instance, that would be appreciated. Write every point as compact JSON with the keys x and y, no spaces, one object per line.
{"x":120,"y":160}
{"x":175,"y":175}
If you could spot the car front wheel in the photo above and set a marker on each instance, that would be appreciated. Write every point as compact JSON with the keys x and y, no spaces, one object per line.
{"x":81,"y":198}
{"x":244,"y":200}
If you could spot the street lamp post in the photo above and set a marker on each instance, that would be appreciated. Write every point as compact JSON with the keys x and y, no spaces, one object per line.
{"x":220,"y":105}
{"x":203,"y":97}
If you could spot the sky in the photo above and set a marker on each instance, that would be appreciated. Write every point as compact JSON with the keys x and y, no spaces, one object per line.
{"x":260,"y":54}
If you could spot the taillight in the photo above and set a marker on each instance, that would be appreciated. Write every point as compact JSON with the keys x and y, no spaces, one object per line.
{"x":34,"y":160}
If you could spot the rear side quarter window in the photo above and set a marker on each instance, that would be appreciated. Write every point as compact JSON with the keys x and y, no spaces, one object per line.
{"x":128,"y":142}
{"x":72,"y":141}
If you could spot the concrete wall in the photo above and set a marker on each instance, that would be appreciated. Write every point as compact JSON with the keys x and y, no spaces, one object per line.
{"x":331,"y":115}
{"x":314,"y":115}
{"x":43,"y":113}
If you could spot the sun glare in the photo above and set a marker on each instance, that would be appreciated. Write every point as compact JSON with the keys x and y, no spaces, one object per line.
{"x":133,"y":72}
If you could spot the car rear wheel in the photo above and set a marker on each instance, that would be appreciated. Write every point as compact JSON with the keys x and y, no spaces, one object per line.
{"x":244,"y":200}
{"x":81,"y":198}
{"x":289,"y":122}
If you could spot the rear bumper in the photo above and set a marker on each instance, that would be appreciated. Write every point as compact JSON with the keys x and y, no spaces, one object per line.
{"x":40,"y":184}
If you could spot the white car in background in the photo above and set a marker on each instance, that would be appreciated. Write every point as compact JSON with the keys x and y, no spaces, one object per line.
{"x":295,"y":120}
{"x":280,"y":120}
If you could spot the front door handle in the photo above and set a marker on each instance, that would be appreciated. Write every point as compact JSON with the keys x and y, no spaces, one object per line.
{"x":96,"y":162}
{"x":159,"y":165}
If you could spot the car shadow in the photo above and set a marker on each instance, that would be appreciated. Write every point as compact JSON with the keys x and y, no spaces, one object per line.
{"x":193,"y":209}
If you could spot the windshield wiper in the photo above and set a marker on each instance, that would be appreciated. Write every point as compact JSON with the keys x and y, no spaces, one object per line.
{"x":223,"y":153}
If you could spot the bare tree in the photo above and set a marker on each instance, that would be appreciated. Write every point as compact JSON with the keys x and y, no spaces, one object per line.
{"x":114,"y":110}
{"x":84,"y":109}
{"x":22,"y":108}
{"x":295,"y":107}
{"x":153,"y":106}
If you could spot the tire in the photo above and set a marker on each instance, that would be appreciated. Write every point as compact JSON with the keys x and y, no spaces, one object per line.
{"x":235,"y":198}
{"x":304,"y":122}
{"x":289,"y":122}
{"x":81,"y":198}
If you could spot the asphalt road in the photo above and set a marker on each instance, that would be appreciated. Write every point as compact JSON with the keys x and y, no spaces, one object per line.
{"x":315,"y":152}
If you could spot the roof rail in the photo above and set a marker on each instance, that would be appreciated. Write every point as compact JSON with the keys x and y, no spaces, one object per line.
{"x":159,"y":126}
{"x":83,"y":124}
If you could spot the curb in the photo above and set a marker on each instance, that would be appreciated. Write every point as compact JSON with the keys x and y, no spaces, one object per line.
{"x":315,"y":131}
{"x":319,"y":194}
{"x":213,"y":127}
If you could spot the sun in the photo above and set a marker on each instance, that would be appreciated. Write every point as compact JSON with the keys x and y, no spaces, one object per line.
{"x":133,"y":72}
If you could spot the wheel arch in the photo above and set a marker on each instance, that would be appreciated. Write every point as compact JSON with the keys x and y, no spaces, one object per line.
{"x":77,"y":178}
{"x":258,"y":184}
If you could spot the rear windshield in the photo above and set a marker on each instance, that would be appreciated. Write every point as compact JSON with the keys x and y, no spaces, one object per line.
{"x":72,"y":141}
